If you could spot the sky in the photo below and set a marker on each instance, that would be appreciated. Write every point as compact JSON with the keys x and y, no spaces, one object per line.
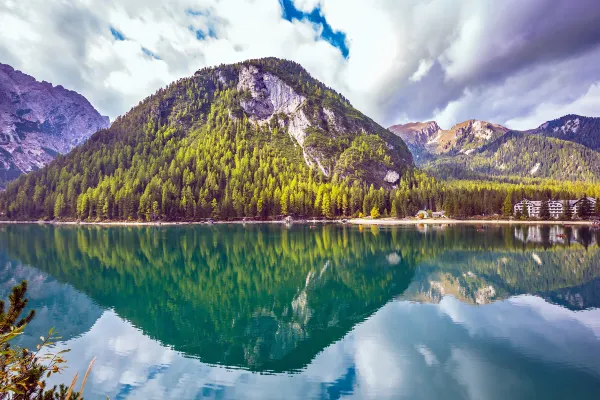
{"x":513,"y":62}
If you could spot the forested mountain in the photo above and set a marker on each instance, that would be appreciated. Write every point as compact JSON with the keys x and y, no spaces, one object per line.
{"x":39,"y":121}
{"x":428,"y":141}
{"x":565,"y":148}
{"x":257,"y":138}
{"x":520,"y":154}
{"x":262,"y":139}
{"x":574,"y":128}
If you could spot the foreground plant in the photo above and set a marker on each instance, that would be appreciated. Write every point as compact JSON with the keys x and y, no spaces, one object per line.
{"x":23,"y":371}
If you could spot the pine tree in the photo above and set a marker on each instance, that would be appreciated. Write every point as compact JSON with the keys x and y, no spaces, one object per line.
{"x":567,"y":213}
{"x":584,"y":210}
{"x":544,"y":210}
{"x":22,"y":372}
{"x":59,"y":206}
{"x":525,"y":211}
{"x":507,"y":206}
{"x":394,"y":209}
{"x":326,"y":206}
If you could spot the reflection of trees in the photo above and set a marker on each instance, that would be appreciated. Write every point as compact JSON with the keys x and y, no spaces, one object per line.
{"x":262,"y":297}
{"x":585,"y":236}
{"x":267,"y":297}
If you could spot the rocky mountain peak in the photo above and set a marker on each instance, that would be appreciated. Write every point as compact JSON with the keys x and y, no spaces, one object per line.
{"x":39,"y":121}
{"x":573,"y":128}
{"x":313,"y":115}
{"x":416,"y":132}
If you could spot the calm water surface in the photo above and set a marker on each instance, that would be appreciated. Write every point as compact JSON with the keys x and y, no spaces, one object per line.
{"x":274,"y":312}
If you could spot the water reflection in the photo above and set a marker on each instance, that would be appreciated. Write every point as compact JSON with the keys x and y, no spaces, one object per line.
{"x":377,"y":313}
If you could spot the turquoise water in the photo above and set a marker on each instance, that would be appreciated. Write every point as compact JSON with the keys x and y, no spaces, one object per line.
{"x":270,"y":312}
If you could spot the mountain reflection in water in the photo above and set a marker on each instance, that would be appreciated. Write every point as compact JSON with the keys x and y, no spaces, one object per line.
{"x":371,"y":312}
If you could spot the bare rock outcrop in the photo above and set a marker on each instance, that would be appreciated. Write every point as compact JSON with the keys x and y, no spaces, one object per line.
{"x":38,"y":121}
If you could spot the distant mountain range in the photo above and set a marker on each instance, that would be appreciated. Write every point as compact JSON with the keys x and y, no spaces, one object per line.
{"x":564,"y":149}
{"x":38,"y":121}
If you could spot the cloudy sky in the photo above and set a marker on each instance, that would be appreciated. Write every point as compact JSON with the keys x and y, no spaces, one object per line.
{"x":513,"y":62}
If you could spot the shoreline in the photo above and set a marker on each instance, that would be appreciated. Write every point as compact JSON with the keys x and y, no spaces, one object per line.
{"x":350,"y":221}
{"x":449,"y":221}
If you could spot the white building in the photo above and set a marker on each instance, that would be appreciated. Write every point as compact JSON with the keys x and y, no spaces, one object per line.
{"x":578,"y":203}
{"x":533,"y":207}
{"x":556,"y":207}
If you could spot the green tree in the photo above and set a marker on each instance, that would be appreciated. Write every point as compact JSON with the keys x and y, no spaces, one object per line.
{"x":59,"y":206}
{"x":215,"y":208}
{"x":507,"y":206}
{"x":394,"y":209}
{"x":23,"y":372}
{"x":525,"y":214}
{"x":326,"y":206}
{"x":544,"y":210}
{"x":567,"y":214}
{"x":375,"y":212}
{"x":584,"y":209}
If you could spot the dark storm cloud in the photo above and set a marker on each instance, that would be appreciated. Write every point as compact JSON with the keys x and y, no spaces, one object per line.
{"x":529,"y":38}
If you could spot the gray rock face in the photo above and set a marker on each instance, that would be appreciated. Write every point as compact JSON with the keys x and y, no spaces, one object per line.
{"x":270,"y":96}
{"x":38,"y":121}
{"x":323,"y":129}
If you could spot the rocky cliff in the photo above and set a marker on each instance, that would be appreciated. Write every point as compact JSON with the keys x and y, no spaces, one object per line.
{"x":322,"y":129}
{"x":416,"y":135}
{"x":427,"y":140}
{"x":39,"y":121}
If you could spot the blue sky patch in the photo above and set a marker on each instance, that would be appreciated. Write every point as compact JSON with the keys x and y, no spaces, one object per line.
{"x":336,"y":38}
{"x":116,"y":34}
{"x":194,"y":13}
{"x":201,"y":34}
{"x":150,"y":53}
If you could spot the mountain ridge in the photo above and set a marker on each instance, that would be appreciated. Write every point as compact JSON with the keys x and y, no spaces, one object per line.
{"x":466,"y":152}
{"x":38,"y":121}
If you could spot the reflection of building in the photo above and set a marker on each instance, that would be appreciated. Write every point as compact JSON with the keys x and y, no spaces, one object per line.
{"x":556,"y":207}
{"x":554,"y":235}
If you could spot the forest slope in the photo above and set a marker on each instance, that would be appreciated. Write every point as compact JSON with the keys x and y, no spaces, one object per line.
{"x":257,"y":138}
{"x":522,"y":155}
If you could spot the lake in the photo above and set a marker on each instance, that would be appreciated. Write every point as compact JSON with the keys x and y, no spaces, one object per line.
{"x":276,"y":312}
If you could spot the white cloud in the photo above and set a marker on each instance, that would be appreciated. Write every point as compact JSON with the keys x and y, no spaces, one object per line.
{"x":587,"y":105}
{"x":306,"y":5}
{"x":407,"y":60}
{"x":422,"y":70}
{"x":390,"y":355}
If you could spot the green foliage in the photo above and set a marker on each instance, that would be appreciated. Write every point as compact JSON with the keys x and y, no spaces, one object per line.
{"x":525,"y":215}
{"x":507,"y":206}
{"x":518,"y":155}
{"x":23,"y":372}
{"x":584,"y":210}
{"x":375,"y":213}
{"x":567,"y":212}
{"x":587,"y":132}
{"x":544,"y":210}
{"x":189,"y":152}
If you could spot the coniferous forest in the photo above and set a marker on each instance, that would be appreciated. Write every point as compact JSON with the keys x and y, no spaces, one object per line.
{"x":192,"y":151}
